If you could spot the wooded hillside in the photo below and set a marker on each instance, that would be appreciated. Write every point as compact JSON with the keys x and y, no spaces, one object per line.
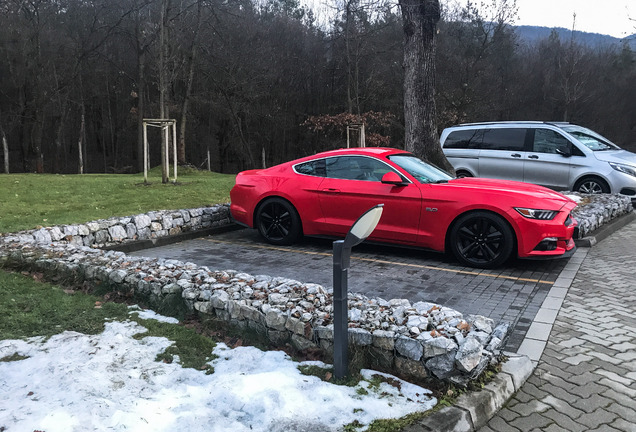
{"x":243,"y":77}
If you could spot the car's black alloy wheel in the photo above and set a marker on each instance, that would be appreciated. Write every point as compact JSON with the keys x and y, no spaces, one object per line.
{"x":481,"y":239}
{"x":278,"y":222}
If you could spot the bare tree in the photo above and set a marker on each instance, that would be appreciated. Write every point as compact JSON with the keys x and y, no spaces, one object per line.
{"x":420,"y":18}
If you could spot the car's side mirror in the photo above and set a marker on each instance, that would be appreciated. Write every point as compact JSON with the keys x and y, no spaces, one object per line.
{"x":564,"y":153}
{"x":393,"y":178}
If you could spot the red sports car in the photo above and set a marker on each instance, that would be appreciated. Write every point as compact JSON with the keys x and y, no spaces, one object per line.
{"x":483,"y":222}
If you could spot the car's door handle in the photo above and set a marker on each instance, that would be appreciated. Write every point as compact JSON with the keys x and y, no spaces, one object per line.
{"x":515,"y":155}
{"x":533,"y":157}
{"x":331,"y":190}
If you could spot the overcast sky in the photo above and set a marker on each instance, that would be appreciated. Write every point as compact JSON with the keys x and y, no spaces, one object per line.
{"x":611,"y":17}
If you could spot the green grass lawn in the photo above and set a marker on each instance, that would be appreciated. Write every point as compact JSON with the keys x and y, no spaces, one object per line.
{"x":31,"y":200}
{"x":29,"y":307}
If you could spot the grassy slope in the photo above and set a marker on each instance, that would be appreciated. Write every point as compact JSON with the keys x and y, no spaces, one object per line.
{"x":31,"y":200}
{"x":29,"y":307}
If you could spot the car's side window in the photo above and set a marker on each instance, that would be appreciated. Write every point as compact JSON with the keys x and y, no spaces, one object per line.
{"x":356,"y":168}
{"x":313,"y":168}
{"x":548,"y":141}
{"x":464,"y":139}
{"x":512,"y":139}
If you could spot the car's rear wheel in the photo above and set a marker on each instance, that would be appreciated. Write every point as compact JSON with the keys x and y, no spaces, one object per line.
{"x":462,"y":174}
{"x":481,"y":239}
{"x":278,"y":222}
{"x":592,"y":185}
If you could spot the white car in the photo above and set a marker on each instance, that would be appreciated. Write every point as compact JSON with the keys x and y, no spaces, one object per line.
{"x":561,"y":156}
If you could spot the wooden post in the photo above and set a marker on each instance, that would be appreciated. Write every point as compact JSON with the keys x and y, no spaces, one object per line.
{"x":263,"y":157}
{"x":174,"y":147}
{"x":209,"y":168}
{"x":145,"y":126}
{"x":166,"y":153}
{"x":363,"y":140}
{"x":5,"y":149}
{"x":80,"y":141}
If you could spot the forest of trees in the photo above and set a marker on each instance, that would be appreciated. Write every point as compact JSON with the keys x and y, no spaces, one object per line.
{"x":254,"y":80}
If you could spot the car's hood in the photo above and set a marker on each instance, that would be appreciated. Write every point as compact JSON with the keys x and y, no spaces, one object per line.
{"x":618,"y":156}
{"x":526,"y":193}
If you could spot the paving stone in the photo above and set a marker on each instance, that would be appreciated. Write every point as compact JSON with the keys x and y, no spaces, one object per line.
{"x":498,"y":424}
{"x":563,"y":406}
{"x":532,"y":406}
{"x":563,"y":421}
{"x":592,"y":403}
{"x":596,"y":418}
{"x":618,"y":387}
{"x":591,"y":388}
{"x":623,"y":412}
{"x":615,"y":377}
{"x":622,"y":425}
{"x":534,"y":420}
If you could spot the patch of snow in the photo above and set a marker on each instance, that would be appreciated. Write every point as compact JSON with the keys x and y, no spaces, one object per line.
{"x":111,"y":381}
{"x":149,"y":314}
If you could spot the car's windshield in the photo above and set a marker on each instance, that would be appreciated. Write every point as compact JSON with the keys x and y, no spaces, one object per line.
{"x":590,"y":139}
{"x":422,"y":171}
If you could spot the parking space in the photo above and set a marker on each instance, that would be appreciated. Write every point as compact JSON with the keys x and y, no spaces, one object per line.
{"x":512,"y":294}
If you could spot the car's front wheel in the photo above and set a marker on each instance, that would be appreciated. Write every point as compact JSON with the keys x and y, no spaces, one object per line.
{"x":481,"y":239}
{"x":278,"y":222}
{"x":591,"y":185}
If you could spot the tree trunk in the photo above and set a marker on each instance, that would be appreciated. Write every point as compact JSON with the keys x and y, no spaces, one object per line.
{"x":420,"y":18}
{"x":163,"y":85}
{"x":5,"y":150}
{"x":181,"y":143}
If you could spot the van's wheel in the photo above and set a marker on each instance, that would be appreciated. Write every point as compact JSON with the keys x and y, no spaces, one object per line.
{"x":482,"y":239}
{"x":278,"y":222}
{"x":591,"y":185}
{"x":462,"y":174}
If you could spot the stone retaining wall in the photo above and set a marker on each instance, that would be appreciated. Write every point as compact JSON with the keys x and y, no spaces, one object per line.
{"x":420,"y":339}
{"x":597,"y":210}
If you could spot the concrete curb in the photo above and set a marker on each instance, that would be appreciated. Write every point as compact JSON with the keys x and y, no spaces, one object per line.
{"x":473,"y":410}
{"x":138,"y":245}
{"x":605,"y":230}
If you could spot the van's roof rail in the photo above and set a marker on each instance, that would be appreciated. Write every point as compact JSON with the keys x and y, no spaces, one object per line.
{"x":513,"y":122}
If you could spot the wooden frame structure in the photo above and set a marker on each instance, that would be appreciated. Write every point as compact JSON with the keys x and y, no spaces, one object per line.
{"x":360,"y":128}
{"x":165,"y":125}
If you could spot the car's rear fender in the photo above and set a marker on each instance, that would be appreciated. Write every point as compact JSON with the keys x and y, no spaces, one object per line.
{"x":281,"y":196}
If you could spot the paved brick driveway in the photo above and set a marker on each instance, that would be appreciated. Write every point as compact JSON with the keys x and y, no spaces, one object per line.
{"x":513,"y":294}
{"x":586,"y":378}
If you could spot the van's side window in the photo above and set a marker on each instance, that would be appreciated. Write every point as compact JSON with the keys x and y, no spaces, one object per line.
{"x":464,"y":139}
{"x":548,"y":141}
{"x":512,"y":139}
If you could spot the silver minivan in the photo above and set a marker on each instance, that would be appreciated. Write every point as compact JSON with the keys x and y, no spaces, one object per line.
{"x":561,"y":156}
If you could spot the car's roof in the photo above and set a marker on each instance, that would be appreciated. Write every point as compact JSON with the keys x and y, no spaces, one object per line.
{"x":369,"y":151}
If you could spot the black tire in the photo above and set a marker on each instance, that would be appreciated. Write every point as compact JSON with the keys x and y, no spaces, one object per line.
{"x":481,"y":239}
{"x":591,"y":185}
{"x":462,"y":174}
{"x":278,"y":222}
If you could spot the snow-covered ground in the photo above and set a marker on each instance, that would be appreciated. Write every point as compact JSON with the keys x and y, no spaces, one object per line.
{"x":110,"y":381}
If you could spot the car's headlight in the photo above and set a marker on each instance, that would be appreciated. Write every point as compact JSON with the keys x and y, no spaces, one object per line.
{"x":627,"y":169}
{"x":537,"y":214}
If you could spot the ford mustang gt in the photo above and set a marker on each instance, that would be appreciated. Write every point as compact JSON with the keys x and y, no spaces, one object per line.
{"x":482,"y":222}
